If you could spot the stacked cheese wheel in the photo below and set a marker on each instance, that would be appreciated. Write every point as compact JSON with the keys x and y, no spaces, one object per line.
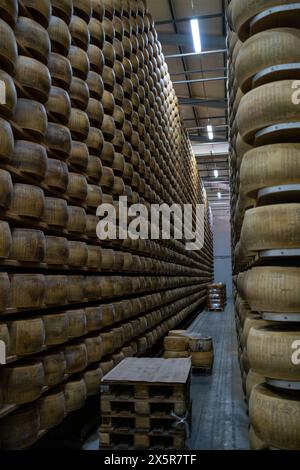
{"x":90,"y":115}
{"x":263,"y":41}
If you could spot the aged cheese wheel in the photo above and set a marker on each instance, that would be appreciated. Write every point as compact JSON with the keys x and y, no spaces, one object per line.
{"x":253,"y":378}
{"x":80,"y":62}
{"x":27,"y":201}
{"x":76,"y":220}
{"x":176,"y":343}
{"x":252,"y":321}
{"x":91,"y":226}
{"x":108,"y":342}
{"x":57,"y":250}
{"x":171,"y":354}
{"x":57,"y":175}
{"x":106,"y":366}
{"x":76,"y":323}
{"x":32,"y":79}
{"x":9,"y":51}
{"x":96,"y":60}
{"x":243,"y":11}
{"x":95,"y":141}
{"x":30,"y":159}
{"x":75,"y":394}
{"x":20,"y":429}
{"x":97,"y":9}
{"x":94,"y":348}
{"x":275,"y":417}
{"x":54,"y":367}
{"x":63,"y":9}
{"x":95,"y":85}
{"x":92,"y":288}
{"x":30,"y":118}
{"x":94,"y":257}
{"x":94,"y":168}
{"x":28,"y":245}
{"x":6,"y":189}
{"x":9,"y":11}
{"x":26,"y":336}
{"x":6,"y":141}
{"x":56,"y":212}
{"x":5,"y":291}
{"x":270,"y":165}
{"x":271,"y":47}
{"x":7,"y":105}
{"x":270,"y":352}
{"x":77,"y":187}
{"x":93,"y":318}
{"x":200,"y":343}
{"x":56,"y":290}
{"x":79,"y":93}
{"x":271,"y":227}
{"x":58,"y":141}
{"x":59,"y":35}
{"x":75,"y":289}
{"x":78,"y":254}
{"x":76,"y":358}
{"x":56,"y":328}
{"x":58,"y":105}
{"x":79,"y":124}
{"x":95,"y":112}
{"x":265,"y":106}
{"x":107,"y":179}
{"x":41,"y":12}
{"x":80,"y":32}
{"x":200,"y":359}
{"x":52,"y":408}
{"x":32,"y":287}
{"x":22,"y":383}
{"x":60,"y":70}
{"x":92,"y":379}
{"x":273,"y":289}
{"x":83,"y":8}
{"x":255,"y":442}
{"x":33,"y":40}
{"x":96,"y":31}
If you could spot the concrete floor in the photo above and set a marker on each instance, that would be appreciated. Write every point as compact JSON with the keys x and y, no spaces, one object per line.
{"x":219,"y":411}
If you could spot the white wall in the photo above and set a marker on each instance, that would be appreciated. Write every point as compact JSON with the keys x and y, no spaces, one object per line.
{"x":222,"y":251}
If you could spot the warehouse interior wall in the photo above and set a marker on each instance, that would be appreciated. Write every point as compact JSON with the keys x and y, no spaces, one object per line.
{"x":222,"y":250}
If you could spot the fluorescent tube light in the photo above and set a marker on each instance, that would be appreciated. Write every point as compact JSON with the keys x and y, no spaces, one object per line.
{"x":196,"y":35}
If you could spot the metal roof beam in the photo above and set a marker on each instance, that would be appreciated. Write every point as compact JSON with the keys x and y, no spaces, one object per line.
{"x":193,"y":54}
{"x":186,"y":40}
{"x":189,"y":18}
{"x":199,"y":80}
{"x":190,"y":72}
{"x":209,"y":103}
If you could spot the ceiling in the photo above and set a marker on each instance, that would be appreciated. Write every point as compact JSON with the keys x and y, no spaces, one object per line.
{"x":202,"y":102}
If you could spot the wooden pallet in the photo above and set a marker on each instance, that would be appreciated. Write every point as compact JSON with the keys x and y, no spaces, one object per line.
{"x":116,"y":439}
{"x":128,"y":407}
{"x":215,"y":309}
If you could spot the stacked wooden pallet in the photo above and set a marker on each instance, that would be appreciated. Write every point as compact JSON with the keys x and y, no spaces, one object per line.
{"x":90,"y":115}
{"x":216,"y":297}
{"x":263,"y":41}
{"x":145,"y":403}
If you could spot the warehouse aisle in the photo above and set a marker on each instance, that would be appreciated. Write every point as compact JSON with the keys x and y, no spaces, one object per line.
{"x":219,"y":411}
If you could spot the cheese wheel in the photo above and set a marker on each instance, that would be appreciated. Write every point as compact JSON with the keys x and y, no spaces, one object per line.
{"x":33,"y":40}
{"x":96,"y":32}
{"x":108,"y":343}
{"x":269,"y":165}
{"x":78,"y":254}
{"x":56,"y":290}
{"x":30,"y":159}
{"x":176,"y":343}
{"x":57,"y":175}
{"x":272,"y":352}
{"x":83,"y":8}
{"x":76,"y":219}
{"x":96,"y":59}
{"x":32,"y":79}
{"x":202,"y":359}
{"x":6,"y":140}
{"x":60,"y":70}
{"x":106,"y":366}
{"x":273,"y":289}
{"x":76,"y":289}
{"x":58,"y":105}
{"x":9,"y":11}
{"x":32,"y":287}
{"x":57,"y":251}
{"x":79,"y":124}
{"x":265,"y":106}
{"x":58,"y":141}
{"x":7,"y":105}
{"x":253,"y":321}
{"x":253,"y":378}
{"x":76,"y":323}
{"x":20,"y":429}
{"x":54,"y":367}
{"x":27,"y":201}
{"x":30,"y":117}
{"x":52,"y":409}
{"x":59,"y":35}
{"x":271,"y":227}
{"x":26,"y":336}
{"x":56,"y":328}
{"x":271,"y":47}
{"x":200,"y":343}
{"x":275,"y":418}
{"x":56,"y":212}
{"x":80,"y":62}
{"x":22,"y":383}
{"x":76,"y":358}
{"x":75,"y":394}
{"x":255,"y":442}
{"x":92,"y":378}
{"x":169,"y":354}
{"x":62,"y":9}
{"x":94,"y":348}
{"x":80,"y":32}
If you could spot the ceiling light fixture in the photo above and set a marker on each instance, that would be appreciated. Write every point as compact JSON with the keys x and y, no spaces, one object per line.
{"x":216,"y":173}
{"x":196,"y":36}
{"x":210,"y":132}
{"x":219,"y":195}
